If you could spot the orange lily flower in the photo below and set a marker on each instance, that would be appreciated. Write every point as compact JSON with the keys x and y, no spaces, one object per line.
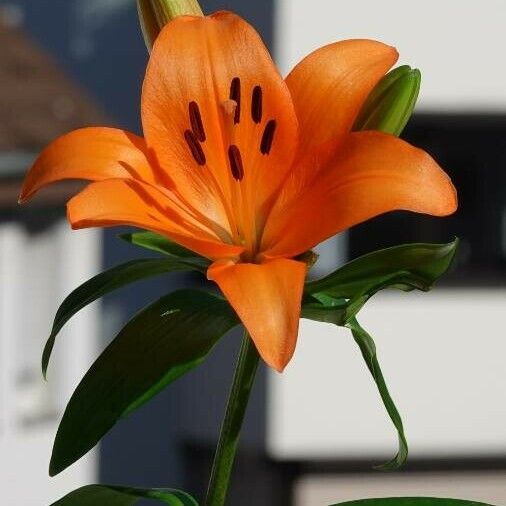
{"x":245,"y":168}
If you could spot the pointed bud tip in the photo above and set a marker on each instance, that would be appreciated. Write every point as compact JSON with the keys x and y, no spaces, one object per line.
{"x":417,"y":73}
{"x":391,"y":103}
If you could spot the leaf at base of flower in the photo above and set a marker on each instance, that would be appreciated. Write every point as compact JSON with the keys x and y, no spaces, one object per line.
{"x":407,"y":267}
{"x":338,"y":297}
{"x":160,"y":244}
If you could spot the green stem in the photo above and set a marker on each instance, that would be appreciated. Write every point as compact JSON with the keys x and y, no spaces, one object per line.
{"x":229,"y":437}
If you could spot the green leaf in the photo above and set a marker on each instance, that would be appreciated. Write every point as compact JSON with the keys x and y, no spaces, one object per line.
{"x":106,"y":282}
{"x":328,"y":310}
{"x":406,"y":267}
{"x":339,"y":296}
{"x":161,"y":343}
{"x":411,"y":501}
{"x":368,"y":349}
{"x":160,"y":244}
{"x":104,"y":495}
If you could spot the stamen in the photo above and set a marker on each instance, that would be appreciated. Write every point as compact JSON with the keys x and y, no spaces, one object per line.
{"x":256,"y":104}
{"x":195,"y":147}
{"x":196,"y":121}
{"x":235,"y":159}
{"x":268,"y":137}
{"x":235,"y":95}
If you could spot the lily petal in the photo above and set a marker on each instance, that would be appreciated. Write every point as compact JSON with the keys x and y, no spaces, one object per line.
{"x":371,"y":174}
{"x":210,"y":85}
{"x":267,"y":298}
{"x":130,"y":202}
{"x":93,"y":154}
{"x":330,"y":85}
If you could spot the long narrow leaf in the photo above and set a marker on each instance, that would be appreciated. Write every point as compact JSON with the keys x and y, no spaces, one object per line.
{"x":406,"y":267}
{"x":338,"y":297}
{"x":106,"y":282}
{"x":104,"y":495}
{"x":156,"y":347}
{"x":368,"y":349}
{"x":160,"y":244}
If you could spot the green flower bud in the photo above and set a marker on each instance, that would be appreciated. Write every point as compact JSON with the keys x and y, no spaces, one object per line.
{"x":391,"y":103}
{"x":155,"y":14}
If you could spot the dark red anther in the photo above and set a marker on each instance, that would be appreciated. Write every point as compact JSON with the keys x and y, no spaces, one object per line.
{"x":256,"y":104}
{"x":195,"y":147}
{"x":235,"y":159}
{"x":196,"y":121}
{"x":268,"y":137}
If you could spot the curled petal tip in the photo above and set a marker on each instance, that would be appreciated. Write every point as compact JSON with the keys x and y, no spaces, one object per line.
{"x":279,"y":367}
{"x":453,"y":203}
{"x":275,"y":360}
{"x":24,"y":195}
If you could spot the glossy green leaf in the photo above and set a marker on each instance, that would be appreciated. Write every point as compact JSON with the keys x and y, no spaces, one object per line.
{"x":328,"y":310}
{"x":160,"y":244}
{"x":368,"y":349}
{"x":106,"y":282}
{"x":411,"y":501}
{"x":161,"y":343}
{"x":391,"y":103}
{"x":104,"y":495}
{"x":406,"y":267}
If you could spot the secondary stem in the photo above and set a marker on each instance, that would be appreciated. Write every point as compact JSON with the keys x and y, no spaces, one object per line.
{"x":229,"y":437}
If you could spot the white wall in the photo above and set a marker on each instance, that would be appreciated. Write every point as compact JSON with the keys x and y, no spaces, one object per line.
{"x":457,"y":44}
{"x":36,"y":272}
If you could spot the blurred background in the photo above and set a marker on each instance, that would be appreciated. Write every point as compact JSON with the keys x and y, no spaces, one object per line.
{"x":312,"y":434}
